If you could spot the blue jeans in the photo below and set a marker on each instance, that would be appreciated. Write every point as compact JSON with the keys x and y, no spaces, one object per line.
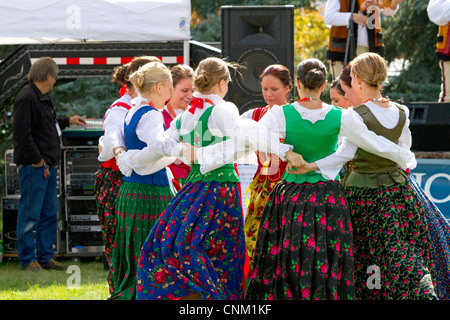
{"x":38,"y":208}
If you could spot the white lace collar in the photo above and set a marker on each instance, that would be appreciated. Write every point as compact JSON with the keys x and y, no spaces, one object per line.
{"x":312,"y":115}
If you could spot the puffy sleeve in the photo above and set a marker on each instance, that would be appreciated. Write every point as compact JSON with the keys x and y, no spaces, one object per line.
{"x":357,"y":135}
{"x":246,"y":136}
{"x":113,"y":127}
{"x":439,"y":11}
{"x":247,"y":114}
{"x":333,"y":16}
{"x":162,"y":149}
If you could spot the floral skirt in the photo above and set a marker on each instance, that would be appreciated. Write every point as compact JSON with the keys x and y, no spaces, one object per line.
{"x":258,"y":198}
{"x":439,"y":230}
{"x":392,"y":248}
{"x":138,"y":208}
{"x":305,"y":246}
{"x":197,"y":246}
{"x":107,"y":184}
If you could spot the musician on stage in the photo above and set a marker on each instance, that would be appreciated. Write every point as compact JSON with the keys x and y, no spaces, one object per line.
{"x":365,"y":29}
{"x":439,"y":13}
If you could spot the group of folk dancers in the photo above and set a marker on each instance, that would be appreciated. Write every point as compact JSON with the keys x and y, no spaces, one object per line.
{"x":333,"y":212}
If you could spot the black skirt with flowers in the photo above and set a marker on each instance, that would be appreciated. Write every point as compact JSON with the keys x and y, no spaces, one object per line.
{"x":304,"y":248}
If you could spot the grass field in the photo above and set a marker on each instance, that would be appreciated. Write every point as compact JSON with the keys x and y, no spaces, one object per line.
{"x":84,"y":280}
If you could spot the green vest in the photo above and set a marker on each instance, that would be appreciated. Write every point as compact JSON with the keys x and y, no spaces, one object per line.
{"x":370,"y":170}
{"x":202,"y":137}
{"x":313,"y":141}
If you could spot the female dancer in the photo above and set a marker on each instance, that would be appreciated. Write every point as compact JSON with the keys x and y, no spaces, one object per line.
{"x":276,"y":84}
{"x":304,"y":248}
{"x":108,"y":176}
{"x":392,"y":247}
{"x":197,"y":248}
{"x":337,"y":95}
{"x":345,"y":80}
{"x":183,"y":86}
{"x":141,"y":197}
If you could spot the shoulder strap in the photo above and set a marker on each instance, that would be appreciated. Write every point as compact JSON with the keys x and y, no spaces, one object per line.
{"x":362,"y":109}
{"x":402,"y":115}
{"x":122,"y":104}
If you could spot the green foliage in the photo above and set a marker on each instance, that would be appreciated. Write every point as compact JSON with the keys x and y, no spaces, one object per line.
{"x":85,"y":96}
{"x":204,"y":8}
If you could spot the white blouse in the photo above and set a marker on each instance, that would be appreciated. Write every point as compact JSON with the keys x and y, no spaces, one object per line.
{"x":356,"y":135}
{"x":223,"y":121}
{"x":113,"y":128}
{"x":160,"y":147}
{"x":352,"y":128}
{"x":439,"y":11}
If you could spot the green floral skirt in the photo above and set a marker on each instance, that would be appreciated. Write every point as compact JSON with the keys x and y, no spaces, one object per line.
{"x":138,"y":208}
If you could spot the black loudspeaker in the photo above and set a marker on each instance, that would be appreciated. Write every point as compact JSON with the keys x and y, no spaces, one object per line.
{"x":199,"y":51}
{"x":430,"y":126}
{"x":10,"y":207}
{"x":10,"y":210}
{"x":256,"y":37}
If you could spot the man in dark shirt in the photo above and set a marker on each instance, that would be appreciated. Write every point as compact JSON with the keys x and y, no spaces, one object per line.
{"x":37,"y":152}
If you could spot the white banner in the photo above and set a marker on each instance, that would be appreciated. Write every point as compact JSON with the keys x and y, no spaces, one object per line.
{"x":31,"y":21}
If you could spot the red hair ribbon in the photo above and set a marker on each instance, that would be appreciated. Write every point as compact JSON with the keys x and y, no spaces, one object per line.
{"x":196,"y":103}
{"x":123,"y":90}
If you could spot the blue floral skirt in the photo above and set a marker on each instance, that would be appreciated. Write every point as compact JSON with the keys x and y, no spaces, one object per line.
{"x":197,"y":246}
{"x":439,"y":230}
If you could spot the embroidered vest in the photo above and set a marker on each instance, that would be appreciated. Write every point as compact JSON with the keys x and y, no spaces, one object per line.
{"x":270,"y":166}
{"x":202,"y":137}
{"x":338,"y":35}
{"x":111,"y":163}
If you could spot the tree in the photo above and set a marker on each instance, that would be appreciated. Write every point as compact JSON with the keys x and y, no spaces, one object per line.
{"x":411,"y":36}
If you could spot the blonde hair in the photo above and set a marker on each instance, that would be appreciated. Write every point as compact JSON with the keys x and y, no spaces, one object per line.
{"x":149,"y":75}
{"x":121,"y":73}
{"x":210,"y":72}
{"x":370,"y":67}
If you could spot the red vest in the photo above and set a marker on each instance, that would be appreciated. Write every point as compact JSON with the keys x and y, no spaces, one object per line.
{"x":443,"y":42}
{"x":270,"y":165}
{"x":111,"y":163}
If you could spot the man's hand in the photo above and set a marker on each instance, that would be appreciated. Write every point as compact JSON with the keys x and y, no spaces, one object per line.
{"x":367,"y":4}
{"x":39,"y":164}
{"x":77,"y":120}
{"x":360,"y":19}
